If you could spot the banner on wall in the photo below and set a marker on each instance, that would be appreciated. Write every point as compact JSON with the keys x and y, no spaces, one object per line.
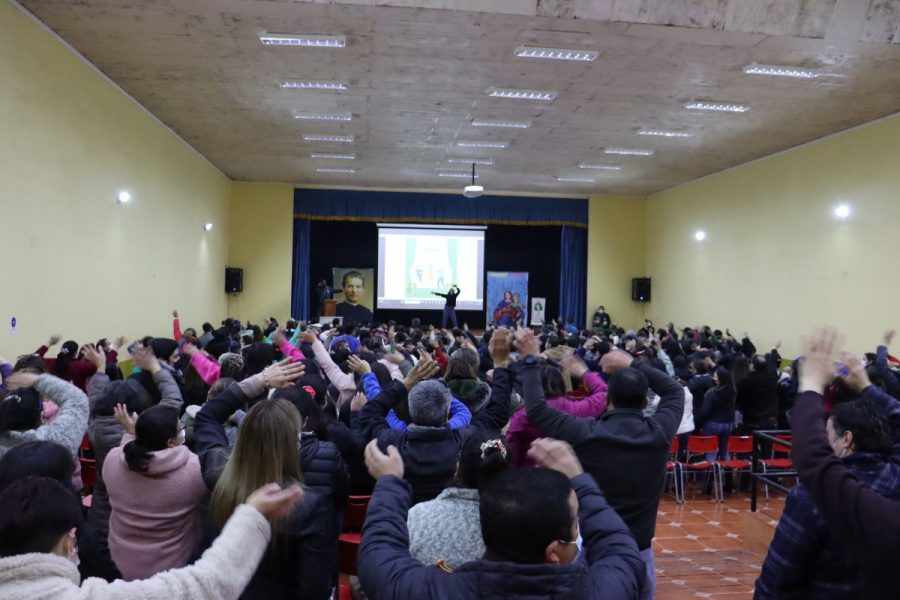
{"x":507,"y":298}
{"x":538,"y":308}
{"x":354,"y":291}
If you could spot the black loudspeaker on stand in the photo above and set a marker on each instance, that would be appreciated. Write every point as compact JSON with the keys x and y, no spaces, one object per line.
{"x":640,"y":289}
{"x":234,"y":280}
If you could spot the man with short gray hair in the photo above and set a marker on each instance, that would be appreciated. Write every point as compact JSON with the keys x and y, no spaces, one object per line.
{"x":430,"y":449}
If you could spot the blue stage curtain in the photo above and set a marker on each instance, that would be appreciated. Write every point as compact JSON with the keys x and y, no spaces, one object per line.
{"x":573,"y":274}
{"x":355,"y":205}
{"x":300,"y":283}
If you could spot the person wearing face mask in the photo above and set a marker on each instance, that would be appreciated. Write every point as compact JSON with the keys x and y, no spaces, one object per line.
{"x":154,"y":484}
{"x":849,"y":472}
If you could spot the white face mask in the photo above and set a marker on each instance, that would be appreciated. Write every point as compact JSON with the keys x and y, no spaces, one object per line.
{"x":73,"y":549}
{"x":843,"y":452}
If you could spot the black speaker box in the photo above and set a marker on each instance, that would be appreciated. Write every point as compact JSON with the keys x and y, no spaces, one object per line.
{"x":234,"y":280}
{"x":640,"y":289}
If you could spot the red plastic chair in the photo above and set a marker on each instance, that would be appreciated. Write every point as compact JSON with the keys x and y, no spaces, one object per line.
{"x":677,"y":470}
{"x":700,"y":445}
{"x":348,"y":542}
{"x":780,"y":461}
{"x":737,"y":444}
{"x":88,"y":472}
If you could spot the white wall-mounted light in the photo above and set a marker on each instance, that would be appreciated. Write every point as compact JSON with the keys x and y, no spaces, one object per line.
{"x":842,"y":211}
{"x":699,"y":235}
{"x":124,"y":197}
{"x":208,"y":227}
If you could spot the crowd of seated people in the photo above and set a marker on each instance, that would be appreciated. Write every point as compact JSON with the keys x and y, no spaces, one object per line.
{"x":515,"y":463}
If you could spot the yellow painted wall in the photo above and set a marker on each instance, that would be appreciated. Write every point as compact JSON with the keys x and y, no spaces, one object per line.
{"x":74,"y":262}
{"x":262,"y":217}
{"x":616,"y":254}
{"x":776,"y":263}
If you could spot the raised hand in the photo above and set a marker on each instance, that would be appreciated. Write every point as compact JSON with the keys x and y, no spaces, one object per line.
{"x":274,"y":502}
{"x":308,"y":336}
{"x":175,"y":314}
{"x":120,"y":341}
{"x":283,"y":373}
{"x":499,"y":347}
{"x":127,"y":421}
{"x":358,"y":365}
{"x":95,"y":356}
{"x":889,"y":336}
{"x":278,"y":338}
{"x":857,"y":379}
{"x":144,"y":358}
{"x":526,"y":343}
{"x":574,"y":366}
{"x":54,"y":340}
{"x":20,"y":379}
{"x":381,"y":464}
{"x":358,"y":402}
{"x":556,"y":455}
{"x":817,"y":367}
{"x":424,"y":369}
{"x":189,"y":349}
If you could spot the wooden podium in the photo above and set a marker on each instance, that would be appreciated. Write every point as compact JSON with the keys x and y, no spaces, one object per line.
{"x":329,"y":308}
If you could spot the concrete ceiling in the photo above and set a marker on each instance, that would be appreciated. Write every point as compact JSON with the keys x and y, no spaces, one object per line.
{"x":418,"y":72}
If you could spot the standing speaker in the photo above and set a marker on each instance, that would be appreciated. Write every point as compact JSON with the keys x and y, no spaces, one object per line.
{"x":234,"y":280}
{"x":640,"y":289}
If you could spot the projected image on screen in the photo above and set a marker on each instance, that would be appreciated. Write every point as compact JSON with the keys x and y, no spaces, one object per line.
{"x":415,"y":262}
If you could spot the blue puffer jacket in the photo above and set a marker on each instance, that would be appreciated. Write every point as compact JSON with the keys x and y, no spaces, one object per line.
{"x":613,"y":569}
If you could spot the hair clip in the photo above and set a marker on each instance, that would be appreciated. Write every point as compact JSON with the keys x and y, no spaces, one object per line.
{"x":495,"y":445}
{"x":310,"y":390}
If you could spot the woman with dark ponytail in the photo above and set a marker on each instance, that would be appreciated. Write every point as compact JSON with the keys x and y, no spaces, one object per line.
{"x":154,"y":484}
{"x":447,"y":530}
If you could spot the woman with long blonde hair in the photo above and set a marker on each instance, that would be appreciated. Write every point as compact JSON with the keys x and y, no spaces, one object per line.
{"x":300,"y":558}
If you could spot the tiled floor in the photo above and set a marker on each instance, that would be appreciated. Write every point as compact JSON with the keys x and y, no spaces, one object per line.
{"x":699,"y":549}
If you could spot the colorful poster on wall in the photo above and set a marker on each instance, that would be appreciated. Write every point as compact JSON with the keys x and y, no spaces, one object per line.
{"x":507,"y":298}
{"x":538,"y":310}
{"x":354,"y":293}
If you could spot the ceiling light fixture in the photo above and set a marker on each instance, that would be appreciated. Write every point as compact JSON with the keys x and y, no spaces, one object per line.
{"x":477,"y":161}
{"x":781,"y":71}
{"x":335,"y":170}
{"x":124,"y":197}
{"x":599,"y":167}
{"x":344,"y":139}
{"x":333,"y":156}
{"x":714,"y":106}
{"x":300,"y":39}
{"x":456,"y":174}
{"x":557,"y":53}
{"x":669,"y":133}
{"x":521,"y":94}
{"x":301,"y":84}
{"x":208,"y":227}
{"x":700,"y":235}
{"x":472,"y":190}
{"x":483,"y":144}
{"x":313,"y":116}
{"x":628,"y":151}
{"x":842,"y":211}
{"x":576,"y":179}
{"x":507,"y":124}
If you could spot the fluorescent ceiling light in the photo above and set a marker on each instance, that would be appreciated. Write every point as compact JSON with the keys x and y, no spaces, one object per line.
{"x":469,"y":161}
{"x":482,"y":144}
{"x":496,"y":92}
{"x":735,"y":107}
{"x":508,"y":124}
{"x":332,"y":156}
{"x":302,"y":84}
{"x":457,"y":174}
{"x":576,"y":179}
{"x":335,"y":170}
{"x":314,"y":116}
{"x":328,"y":138}
{"x":600,"y":167}
{"x":557,"y":53}
{"x":669,"y":133}
{"x":208,"y":227}
{"x":301,"y":39}
{"x":628,"y":151}
{"x":780,"y":71}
